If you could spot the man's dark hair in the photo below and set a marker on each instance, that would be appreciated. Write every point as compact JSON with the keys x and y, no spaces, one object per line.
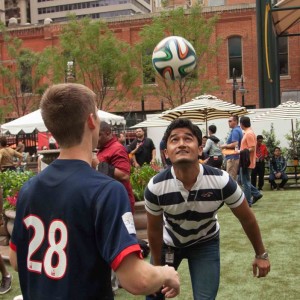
{"x":3,"y":141}
{"x":212,"y":128}
{"x":183,"y":123}
{"x":245,"y":121}
{"x":235,"y":118}
{"x":276,"y":149}
{"x":105,"y":127}
{"x":259,"y":137}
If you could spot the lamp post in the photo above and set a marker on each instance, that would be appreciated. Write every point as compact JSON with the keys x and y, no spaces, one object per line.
{"x":242,"y":90}
{"x":162,"y":105}
{"x":235,"y":86}
{"x":143,"y":108}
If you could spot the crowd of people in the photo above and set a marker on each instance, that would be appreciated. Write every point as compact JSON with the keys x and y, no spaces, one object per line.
{"x":90,"y":181}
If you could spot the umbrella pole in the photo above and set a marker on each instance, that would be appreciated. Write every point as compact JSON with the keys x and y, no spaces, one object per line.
{"x":293,"y":138}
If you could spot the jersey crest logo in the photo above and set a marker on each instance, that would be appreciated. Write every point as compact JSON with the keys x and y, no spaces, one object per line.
{"x":207,"y":194}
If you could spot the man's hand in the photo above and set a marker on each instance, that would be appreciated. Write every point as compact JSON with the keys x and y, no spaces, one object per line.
{"x":136,"y":165}
{"x":152,"y":162}
{"x":171,"y":287}
{"x":261,"y":267}
{"x":278,"y":175}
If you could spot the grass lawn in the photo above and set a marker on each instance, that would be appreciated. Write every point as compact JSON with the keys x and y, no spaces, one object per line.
{"x":278,"y":214}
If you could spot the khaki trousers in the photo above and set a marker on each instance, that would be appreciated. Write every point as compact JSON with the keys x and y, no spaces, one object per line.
{"x":232,"y":167}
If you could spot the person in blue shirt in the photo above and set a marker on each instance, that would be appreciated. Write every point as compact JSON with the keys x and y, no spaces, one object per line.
{"x":277,"y":170}
{"x":233,"y":142}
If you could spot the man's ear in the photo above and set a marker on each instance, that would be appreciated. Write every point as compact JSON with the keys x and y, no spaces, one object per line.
{"x":91,"y":121}
{"x":166,"y":153}
{"x":200,"y":150}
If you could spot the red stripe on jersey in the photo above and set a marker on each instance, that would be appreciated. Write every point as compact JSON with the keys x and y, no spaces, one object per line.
{"x":133,"y":248}
{"x":12,"y":246}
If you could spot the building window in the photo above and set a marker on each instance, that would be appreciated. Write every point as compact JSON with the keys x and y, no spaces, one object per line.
{"x":216,"y":2}
{"x":235,"y":56}
{"x":283,"y":55}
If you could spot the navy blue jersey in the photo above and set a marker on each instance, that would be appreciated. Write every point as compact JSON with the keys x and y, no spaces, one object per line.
{"x":72,"y":226}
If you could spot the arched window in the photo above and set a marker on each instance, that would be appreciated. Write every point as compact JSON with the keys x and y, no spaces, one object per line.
{"x":235,"y":59}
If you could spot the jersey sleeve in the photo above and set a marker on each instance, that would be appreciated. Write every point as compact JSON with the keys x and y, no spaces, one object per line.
{"x":114,"y":225}
{"x":151,"y":200}
{"x":233,"y":195}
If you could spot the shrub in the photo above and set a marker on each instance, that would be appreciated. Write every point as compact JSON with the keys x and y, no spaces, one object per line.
{"x":11,"y":183}
{"x":139,"y":179}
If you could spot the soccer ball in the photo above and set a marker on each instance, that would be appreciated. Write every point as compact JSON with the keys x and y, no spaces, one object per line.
{"x":174,"y":58}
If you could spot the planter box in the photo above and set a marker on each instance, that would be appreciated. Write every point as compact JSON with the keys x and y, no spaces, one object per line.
{"x":140,"y":220}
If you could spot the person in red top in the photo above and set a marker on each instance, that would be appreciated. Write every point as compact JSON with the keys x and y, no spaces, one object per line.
{"x":113,"y":159}
{"x":259,"y":170}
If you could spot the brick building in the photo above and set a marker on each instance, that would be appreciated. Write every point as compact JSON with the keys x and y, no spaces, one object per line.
{"x":237,"y":25}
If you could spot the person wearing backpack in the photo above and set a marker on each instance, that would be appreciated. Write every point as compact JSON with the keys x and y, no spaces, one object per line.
{"x":212,"y":148}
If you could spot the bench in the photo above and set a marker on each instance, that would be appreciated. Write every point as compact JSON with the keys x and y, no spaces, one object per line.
{"x":292,"y":172}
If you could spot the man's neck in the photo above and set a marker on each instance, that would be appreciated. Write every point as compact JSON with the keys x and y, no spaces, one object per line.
{"x":187,"y":174}
{"x":78,"y":152}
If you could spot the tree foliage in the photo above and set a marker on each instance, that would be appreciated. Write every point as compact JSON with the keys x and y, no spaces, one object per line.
{"x":270,"y":139}
{"x":294,"y":142}
{"x":197,"y":29}
{"x":21,"y":75}
{"x":102,"y":61}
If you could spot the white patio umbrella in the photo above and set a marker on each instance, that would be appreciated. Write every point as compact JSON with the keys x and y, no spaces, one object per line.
{"x":289,"y":110}
{"x":205,"y":108}
{"x":34,"y":121}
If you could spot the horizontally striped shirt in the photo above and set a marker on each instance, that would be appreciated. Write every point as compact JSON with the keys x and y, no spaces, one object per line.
{"x":191,"y":216}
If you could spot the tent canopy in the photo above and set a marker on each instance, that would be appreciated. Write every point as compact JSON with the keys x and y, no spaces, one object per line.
{"x":33,"y":121}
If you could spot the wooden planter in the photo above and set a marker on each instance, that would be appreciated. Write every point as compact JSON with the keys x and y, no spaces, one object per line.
{"x":140,"y":220}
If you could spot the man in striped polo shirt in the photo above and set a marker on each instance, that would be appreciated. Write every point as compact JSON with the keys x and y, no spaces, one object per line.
{"x":182,"y":204}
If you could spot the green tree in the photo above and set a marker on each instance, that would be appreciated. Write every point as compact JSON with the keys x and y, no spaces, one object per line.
{"x":294,"y":142}
{"x":197,"y":29}
{"x":21,"y":74}
{"x":270,"y":139}
{"x":102,"y":61}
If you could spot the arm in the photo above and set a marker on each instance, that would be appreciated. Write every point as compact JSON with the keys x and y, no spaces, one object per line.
{"x":120,"y":175}
{"x":140,"y":278}
{"x":229,"y":146}
{"x":207,"y":146}
{"x":251,"y":149}
{"x":13,"y":259}
{"x":18,"y":154}
{"x":248,"y":221}
{"x":283,"y":167}
{"x":155,"y":236}
{"x":153,"y":156}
